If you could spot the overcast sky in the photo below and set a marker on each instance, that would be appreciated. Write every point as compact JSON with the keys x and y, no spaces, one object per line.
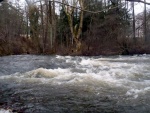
{"x":139,"y":7}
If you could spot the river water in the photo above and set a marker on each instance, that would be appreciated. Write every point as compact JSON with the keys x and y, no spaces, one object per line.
{"x":65,"y":84}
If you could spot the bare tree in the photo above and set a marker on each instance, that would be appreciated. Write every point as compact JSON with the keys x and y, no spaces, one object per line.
{"x":75,"y":29}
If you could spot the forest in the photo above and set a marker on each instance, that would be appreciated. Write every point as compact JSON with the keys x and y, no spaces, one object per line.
{"x":73,"y":27}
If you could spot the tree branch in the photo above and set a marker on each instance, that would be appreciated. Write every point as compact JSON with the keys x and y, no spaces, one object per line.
{"x":139,"y":1}
{"x":94,"y":12}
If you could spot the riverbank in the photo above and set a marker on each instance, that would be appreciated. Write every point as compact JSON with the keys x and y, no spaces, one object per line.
{"x":105,"y":52}
{"x":20,"y":46}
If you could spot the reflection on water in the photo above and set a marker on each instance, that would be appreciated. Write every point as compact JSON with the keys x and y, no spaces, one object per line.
{"x":65,"y":84}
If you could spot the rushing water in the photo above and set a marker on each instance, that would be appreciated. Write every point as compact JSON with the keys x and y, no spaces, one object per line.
{"x":65,"y":84}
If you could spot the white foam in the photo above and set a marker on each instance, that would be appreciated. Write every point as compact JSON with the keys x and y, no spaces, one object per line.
{"x":5,"y":111}
{"x":45,"y":73}
{"x":136,"y":92}
{"x":59,"y":57}
{"x":85,"y":62}
{"x":69,"y":57}
{"x":133,"y":92}
{"x":63,"y":57}
{"x":105,"y":72}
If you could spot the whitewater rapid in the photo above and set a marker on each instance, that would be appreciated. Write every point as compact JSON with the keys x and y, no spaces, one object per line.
{"x":5,"y":111}
{"x":124,"y":80}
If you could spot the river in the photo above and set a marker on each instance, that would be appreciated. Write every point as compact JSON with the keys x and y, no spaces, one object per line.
{"x":66,"y":84}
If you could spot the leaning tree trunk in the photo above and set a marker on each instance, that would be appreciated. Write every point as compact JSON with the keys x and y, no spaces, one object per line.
{"x":76,"y":30}
{"x":78,"y":42}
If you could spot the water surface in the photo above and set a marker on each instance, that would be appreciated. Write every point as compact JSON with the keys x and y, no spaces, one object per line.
{"x":65,"y":84}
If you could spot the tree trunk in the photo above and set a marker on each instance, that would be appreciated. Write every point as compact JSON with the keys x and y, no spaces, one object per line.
{"x":133,"y":13}
{"x":145,"y":28}
{"x":75,"y":29}
{"x":50,"y":24}
{"x":54,"y":24}
{"x":42,"y":26}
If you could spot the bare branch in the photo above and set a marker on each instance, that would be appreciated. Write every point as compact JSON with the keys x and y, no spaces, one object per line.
{"x":139,"y":1}
{"x":94,"y":12}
